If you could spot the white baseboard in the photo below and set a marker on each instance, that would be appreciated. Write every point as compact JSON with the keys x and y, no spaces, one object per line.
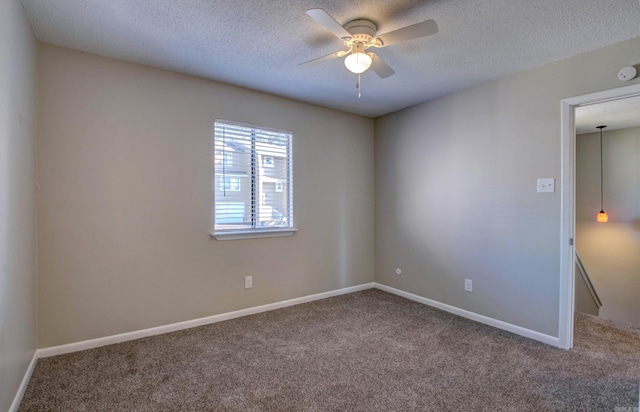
{"x":123,"y":337}
{"x":518,"y":330}
{"x":143,"y":333}
{"x":23,"y":385}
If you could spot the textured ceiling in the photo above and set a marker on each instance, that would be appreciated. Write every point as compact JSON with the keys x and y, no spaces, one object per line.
{"x":259,"y":44}
{"x":615,"y":114}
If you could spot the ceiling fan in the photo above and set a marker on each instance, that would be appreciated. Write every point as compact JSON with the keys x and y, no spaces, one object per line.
{"x":361,"y":34}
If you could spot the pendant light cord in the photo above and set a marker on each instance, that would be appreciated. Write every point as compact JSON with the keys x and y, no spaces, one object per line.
{"x":601,"y":172}
{"x":601,"y":176}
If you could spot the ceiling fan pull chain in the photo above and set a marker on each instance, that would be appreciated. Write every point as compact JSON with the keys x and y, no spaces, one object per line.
{"x":358,"y":86}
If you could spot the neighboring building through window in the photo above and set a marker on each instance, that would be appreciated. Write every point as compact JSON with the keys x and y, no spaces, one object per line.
{"x":252,"y":179}
{"x":231,"y":184}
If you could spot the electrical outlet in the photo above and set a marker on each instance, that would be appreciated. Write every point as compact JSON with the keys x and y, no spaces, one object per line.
{"x":468,"y":285}
{"x":248,"y":282}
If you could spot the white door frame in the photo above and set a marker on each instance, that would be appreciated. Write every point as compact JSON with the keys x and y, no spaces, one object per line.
{"x":568,"y":196}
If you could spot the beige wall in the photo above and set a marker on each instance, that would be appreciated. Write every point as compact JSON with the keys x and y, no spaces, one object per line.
{"x":17,"y":198}
{"x":611,"y":251}
{"x":456,"y":190}
{"x":126,"y":193}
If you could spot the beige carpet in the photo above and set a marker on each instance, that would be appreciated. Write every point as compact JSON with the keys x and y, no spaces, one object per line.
{"x":366,"y":351}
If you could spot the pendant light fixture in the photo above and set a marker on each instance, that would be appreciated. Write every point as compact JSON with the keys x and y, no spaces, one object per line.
{"x":602,"y":215}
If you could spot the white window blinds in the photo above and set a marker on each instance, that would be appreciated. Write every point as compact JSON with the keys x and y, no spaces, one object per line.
{"x":252,"y":179}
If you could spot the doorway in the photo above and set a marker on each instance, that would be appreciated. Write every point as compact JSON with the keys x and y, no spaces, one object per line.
{"x":568,"y":201}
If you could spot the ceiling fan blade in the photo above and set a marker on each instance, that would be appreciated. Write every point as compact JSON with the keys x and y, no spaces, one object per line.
{"x":323,"y":59}
{"x":423,"y":29}
{"x":328,"y":22}
{"x":381,"y":68}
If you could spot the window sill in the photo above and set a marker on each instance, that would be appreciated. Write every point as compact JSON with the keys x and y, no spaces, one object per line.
{"x":252,"y":234}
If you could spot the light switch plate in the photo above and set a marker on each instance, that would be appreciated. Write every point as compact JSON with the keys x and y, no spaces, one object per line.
{"x":547,"y":185}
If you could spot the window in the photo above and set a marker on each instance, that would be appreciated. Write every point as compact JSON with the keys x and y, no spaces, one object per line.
{"x":225,"y":158}
{"x":253,"y":192}
{"x":231,"y":184}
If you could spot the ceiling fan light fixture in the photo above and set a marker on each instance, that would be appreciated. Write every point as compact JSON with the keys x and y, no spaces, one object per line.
{"x":358,"y":62}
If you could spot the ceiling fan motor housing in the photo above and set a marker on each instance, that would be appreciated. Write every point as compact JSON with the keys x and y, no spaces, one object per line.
{"x":362,"y":32}
{"x":361,"y":29}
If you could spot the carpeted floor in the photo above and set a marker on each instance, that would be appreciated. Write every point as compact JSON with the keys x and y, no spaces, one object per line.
{"x":366,"y":351}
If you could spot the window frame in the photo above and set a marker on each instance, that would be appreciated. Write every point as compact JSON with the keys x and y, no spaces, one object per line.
{"x":254,"y":231}
{"x":270,"y":163}
{"x":230,"y":187}
{"x":227,"y":159}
